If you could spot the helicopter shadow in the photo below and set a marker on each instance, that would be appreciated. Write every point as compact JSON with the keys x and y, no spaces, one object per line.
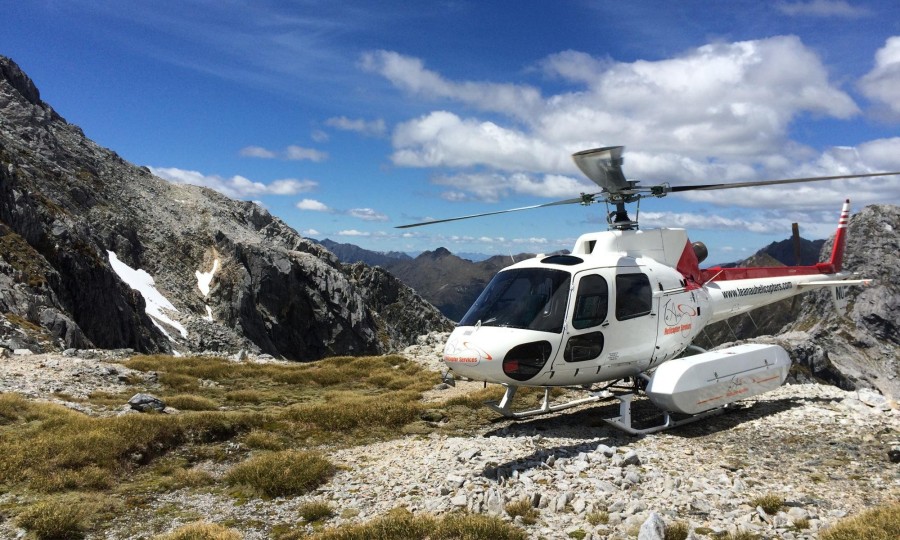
{"x":587,"y":424}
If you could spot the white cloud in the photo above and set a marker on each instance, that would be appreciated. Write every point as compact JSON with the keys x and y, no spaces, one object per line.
{"x":491,"y":187}
{"x":257,"y":152}
{"x":410,"y":74}
{"x":353,"y":232}
{"x":373,"y":128}
{"x":312,"y":205}
{"x":298,"y":153}
{"x":720,"y":103}
{"x":319,"y":136}
{"x":236,"y":187}
{"x":882,"y":84}
{"x":291,"y":153}
{"x":822,"y":8}
{"x":367,"y":214}
{"x":310,"y":232}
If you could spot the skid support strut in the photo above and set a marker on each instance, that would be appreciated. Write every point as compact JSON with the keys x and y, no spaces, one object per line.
{"x":503,"y":406}
{"x":623,"y":421}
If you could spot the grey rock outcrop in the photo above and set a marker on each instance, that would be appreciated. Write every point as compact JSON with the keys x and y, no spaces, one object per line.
{"x":65,"y":203}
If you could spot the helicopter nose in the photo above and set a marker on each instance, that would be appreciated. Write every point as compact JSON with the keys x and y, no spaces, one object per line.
{"x":500,"y":355}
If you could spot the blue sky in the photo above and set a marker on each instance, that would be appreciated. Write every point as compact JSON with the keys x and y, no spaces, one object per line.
{"x":348,"y":118}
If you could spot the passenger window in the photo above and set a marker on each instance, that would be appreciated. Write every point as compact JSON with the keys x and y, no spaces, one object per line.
{"x":591,"y":303}
{"x":633,"y":296}
{"x":584,"y":347}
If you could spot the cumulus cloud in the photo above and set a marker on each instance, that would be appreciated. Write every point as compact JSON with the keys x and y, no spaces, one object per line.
{"x":372,"y":128}
{"x":722,"y":102}
{"x":410,"y":74}
{"x":367,"y":214}
{"x":822,"y":8}
{"x":299,"y":153}
{"x":310,"y":232}
{"x":236,"y":187}
{"x":353,"y":232}
{"x":312,"y":205}
{"x":492,"y":187}
{"x":291,"y":153}
{"x":882,"y":84}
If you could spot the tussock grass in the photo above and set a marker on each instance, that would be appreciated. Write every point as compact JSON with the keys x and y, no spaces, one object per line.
{"x":523,"y":508}
{"x":315,"y":511}
{"x":61,"y":516}
{"x":771,"y":503}
{"x":677,"y":531}
{"x":400,"y":524}
{"x":201,"y":530}
{"x":279,"y":474}
{"x":58,"y":449}
{"x":597,"y":517}
{"x":190,"y":402}
{"x":879,"y":523}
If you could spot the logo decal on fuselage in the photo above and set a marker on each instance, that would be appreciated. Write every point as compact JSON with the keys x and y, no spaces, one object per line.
{"x":466,"y":354}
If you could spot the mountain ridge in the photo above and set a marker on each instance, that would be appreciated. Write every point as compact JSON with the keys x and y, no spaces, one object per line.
{"x":65,"y":202}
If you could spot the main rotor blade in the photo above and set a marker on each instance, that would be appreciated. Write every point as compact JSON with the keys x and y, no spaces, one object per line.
{"x":603,"y":166}
{"x":584,"y":199}
{"x":710,"y":187}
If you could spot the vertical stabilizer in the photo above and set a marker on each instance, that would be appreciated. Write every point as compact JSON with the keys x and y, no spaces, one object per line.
{"x":840,"y":238}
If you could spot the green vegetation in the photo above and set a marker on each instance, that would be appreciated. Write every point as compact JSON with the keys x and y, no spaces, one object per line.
{"x":281,"y":474}
{"x":597,"y":517}
{"x":400,"y":524}
{"x":523,"y":508}
{"x":677,"y":531}
{"x":771,"y":503}
{"x":879,"y":523}
{"x":201,"y":530}
{"x":258,"y":423}
{"x":314,"y":511}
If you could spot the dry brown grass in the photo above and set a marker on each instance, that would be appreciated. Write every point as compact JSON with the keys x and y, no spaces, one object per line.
{"x":280,"y":474}
{"x":879,"y":523}
{"x":201,"y":530}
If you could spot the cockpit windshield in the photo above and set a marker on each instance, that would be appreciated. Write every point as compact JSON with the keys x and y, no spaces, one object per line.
{"x":527,"y":298}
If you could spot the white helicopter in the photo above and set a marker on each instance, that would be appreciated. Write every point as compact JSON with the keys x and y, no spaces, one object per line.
{"x":624,"y":306}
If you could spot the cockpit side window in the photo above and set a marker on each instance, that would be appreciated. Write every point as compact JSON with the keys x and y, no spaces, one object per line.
{"x":634,"y":296}
{"x":591,"y":303}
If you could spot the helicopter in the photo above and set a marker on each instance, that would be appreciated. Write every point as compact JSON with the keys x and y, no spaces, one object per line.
{"x":625,"y":305}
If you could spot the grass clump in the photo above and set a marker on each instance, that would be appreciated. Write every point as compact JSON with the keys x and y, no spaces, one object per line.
{"x":771,"y":503}
{"x":677,"y":531}
{"x":400,"y":524}
{"x":314,"y":511}
{"x":879,"y":523}
{"x":597,"y":517}
{"x":190,"y":402}
{"x":59,"y":517}
{"x":52,"y":448}
{"x":523,"y":508}
{"x":201,"y":530}
{"x":284,"y":473}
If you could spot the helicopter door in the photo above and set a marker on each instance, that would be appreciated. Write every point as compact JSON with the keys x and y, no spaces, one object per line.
{"x":586,"y":338}
{"x":631,"y":334}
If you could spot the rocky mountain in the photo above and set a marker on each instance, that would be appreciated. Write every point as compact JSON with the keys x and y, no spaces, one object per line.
{"x":82,"y":231}
{"x":350,"y":253}
{"x":450,"y":282}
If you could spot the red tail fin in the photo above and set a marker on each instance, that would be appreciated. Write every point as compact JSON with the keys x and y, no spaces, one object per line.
{"x":840,"y":238}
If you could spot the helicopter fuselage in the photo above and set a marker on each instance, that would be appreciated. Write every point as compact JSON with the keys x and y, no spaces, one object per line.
{"x":620,"y":304}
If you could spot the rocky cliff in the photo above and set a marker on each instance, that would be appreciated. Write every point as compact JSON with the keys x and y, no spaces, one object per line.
{"x":76,"y":221}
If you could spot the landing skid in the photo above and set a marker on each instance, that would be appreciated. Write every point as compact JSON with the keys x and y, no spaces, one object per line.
{"x":622,"y":422}
{"x":503,"y":406}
